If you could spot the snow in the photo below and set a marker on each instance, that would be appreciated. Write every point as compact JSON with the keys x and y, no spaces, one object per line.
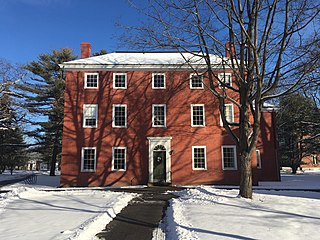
{"x":30,"y":212}
{"x":201,"y":212}
{"x":205,"y":212}
{"x":144,"y":58}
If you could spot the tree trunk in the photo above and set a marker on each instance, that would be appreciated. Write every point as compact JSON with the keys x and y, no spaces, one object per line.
{"x":246,"y":175}
{"x":54,"y":155}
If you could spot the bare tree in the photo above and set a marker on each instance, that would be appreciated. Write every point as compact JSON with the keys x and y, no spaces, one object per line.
{"x":265,"y":40}
{"x":9,"y":76}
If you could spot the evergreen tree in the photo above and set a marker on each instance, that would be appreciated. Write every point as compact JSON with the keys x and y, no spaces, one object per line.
{"x":12,"y":146}
{"x":44,"y":94}
{"x":299,"y":129}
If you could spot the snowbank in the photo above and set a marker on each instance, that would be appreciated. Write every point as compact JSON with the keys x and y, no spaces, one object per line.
{"x":209,"y":213}
{"x":27,"y":213}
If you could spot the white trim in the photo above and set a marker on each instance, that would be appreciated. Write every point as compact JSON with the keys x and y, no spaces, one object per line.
{"x":113,"y":115}
{"x":95,"y":159}
{"x":164,"y":79}
{"x":232,"y":114}
{"x":84,"y":119}
{"x":204,"y":115}
{"x":190,"y":81}
{"x":166,"y":142}
{"x":205,"y":158}
{"x":125,"y":159}
{"x":114,"y":82}
{"x":258,"y":159}
{"x":222,"y":75}
{"x":85,"y":80}
{"x":159,"y":138}
{"x":165,"y":115}
{"x":235,"y":157}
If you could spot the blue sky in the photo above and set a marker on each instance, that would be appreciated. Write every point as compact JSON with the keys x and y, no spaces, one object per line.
{"x":31,"y":27}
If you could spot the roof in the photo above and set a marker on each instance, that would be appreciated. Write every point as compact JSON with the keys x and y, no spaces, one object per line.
{"x":146,"y":60}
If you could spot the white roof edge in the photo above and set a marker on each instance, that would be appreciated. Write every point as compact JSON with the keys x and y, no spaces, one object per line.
{"x":269,"y":109}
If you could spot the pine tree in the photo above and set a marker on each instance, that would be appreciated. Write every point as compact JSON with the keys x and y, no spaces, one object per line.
{"x":299,"y":128}
{"x":12,"y":145}
{"x":44,"y":94}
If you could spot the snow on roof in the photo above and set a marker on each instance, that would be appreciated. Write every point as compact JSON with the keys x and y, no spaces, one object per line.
{"x":141,"y":59}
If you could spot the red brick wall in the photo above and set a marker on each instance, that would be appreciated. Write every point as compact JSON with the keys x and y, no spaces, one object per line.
{"x":139,"y":97}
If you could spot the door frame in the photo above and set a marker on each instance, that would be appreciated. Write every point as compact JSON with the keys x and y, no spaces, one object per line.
{"x":166,"y":142}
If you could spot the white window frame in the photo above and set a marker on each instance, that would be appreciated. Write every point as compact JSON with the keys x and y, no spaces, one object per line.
{"x":204,"y":115}
{"x":221,"y":76}
{"x":84,"y":117}
{"x":232,"y":112}
{"x":113,"y":115}
{"x":205,"y":158}
{"x":125,"y":159}
{"x":165,"y":115}
{"x":194,"y":74}
{"x":82,"y":159}
{"x":258,"y":158}
{"x":235,"y":157}
{"x":164,"y":79}
{"x":85,"y":80}
{"x":114,"y":80}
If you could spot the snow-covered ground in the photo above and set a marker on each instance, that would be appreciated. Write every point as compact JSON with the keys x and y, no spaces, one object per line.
{"x":203,"y":212}
{"x":29,"y":212}
{"x":209,"y":213}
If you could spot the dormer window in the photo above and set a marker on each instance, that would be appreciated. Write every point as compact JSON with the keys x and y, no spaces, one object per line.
{"x":158,"y":80}
{"x":91,"y":80}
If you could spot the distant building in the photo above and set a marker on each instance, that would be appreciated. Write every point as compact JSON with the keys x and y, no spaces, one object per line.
{"x":139,"y":118}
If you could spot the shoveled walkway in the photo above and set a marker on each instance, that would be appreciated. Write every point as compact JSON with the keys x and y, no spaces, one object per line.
{"x":142,"y":215}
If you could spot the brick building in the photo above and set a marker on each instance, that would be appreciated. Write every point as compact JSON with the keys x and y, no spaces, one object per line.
{"x":139,"y":118}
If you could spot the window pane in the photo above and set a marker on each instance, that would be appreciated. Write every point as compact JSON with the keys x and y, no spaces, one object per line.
{"x":159,"y":115}
{"x":196,"y":81}
{"x":88,"y":159}
{"x":229,"y":113}
{"x":92,"y":80}
{"x":197,"y":116}
{"x":228,"y":157}
{"x":119,"y":158}
{"x":158,"y":81}
{"x":120,"y":116}
{"x":90,"y":115}
{"x":120,"y":81}
{"x":199,"y":158}
{"x":226,"y":79}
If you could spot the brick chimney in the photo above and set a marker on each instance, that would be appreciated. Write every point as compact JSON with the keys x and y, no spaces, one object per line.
{"x":85,"y":49}
{"x":230,"y":50}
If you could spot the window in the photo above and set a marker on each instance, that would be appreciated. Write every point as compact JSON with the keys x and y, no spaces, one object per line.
{"x":197,"y":115}
{"x":119,"y":80}
{"x":229,"y":158}
{"x":90,"y":115}
{"x":196,"y":81}
{"x":91,"y":80}
{"x":225,"y":78}
{"x":158,"y":80}
{"x":199,"y":157}
{"x":88,"y":159}
{"x":158,"y":115}
{"x":119,"y":158}
{"x":258,"y":157}
{"x":228,"y":108}
{"x":119,"y":119}
{"x":229,"y":112}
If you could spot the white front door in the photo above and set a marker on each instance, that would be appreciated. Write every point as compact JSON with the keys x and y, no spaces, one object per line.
{"x":159,"y":159}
